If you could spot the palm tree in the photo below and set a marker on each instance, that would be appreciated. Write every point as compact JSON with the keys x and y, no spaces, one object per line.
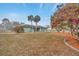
{"x":36,"y":20}
{"x":30,"y":18}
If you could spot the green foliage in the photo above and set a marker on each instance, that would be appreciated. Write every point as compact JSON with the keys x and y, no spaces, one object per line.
{"x":37,"y":18}
{"x":30,"y":18}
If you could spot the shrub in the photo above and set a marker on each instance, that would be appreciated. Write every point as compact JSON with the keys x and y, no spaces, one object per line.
{"x":18,"y":29}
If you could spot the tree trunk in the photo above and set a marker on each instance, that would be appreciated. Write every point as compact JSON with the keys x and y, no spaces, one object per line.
{"x":31,"y":26}
{"x":73,"y":30}
{"x":36,"y":27}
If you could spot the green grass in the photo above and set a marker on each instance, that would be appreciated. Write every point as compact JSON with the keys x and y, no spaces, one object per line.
{"x":38,"y":43}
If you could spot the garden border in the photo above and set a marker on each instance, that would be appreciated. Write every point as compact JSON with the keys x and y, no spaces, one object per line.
{"x":70,"y":46}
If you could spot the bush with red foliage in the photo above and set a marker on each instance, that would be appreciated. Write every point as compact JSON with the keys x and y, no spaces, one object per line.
{"x":18,"y":29}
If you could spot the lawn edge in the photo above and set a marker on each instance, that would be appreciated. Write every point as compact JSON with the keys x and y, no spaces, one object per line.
{"x":70,"y":46}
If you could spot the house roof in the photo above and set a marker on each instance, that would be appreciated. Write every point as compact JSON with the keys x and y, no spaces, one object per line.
{"x":28,"y":26}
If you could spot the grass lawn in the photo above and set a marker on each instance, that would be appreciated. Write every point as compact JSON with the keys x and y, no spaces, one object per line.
{"x":34,"y":44}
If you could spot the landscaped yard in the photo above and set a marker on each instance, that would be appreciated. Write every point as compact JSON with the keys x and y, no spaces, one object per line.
{"x":34,"y":44}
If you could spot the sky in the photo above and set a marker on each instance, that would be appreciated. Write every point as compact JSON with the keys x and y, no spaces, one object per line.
{"x":20,"y":12}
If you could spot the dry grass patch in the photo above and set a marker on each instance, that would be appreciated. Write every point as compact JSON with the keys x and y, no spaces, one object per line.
{"x":38,"y":43}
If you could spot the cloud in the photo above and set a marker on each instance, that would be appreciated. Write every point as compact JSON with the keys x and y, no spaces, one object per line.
{"x":54,"y":9}
{"x":0,"y":21}
{"x":11,"y":16}
{"x":41,"y":5}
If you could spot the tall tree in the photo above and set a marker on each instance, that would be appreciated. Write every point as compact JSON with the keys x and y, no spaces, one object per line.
{"x":51,"y":18}
{"x":31,"y":18}
{"x":36,"y":20}
{"x":5,"y":21}
{"x":66,"y":13}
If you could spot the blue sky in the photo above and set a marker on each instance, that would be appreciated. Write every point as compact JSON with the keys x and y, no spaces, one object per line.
{"x":20,"y":11}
